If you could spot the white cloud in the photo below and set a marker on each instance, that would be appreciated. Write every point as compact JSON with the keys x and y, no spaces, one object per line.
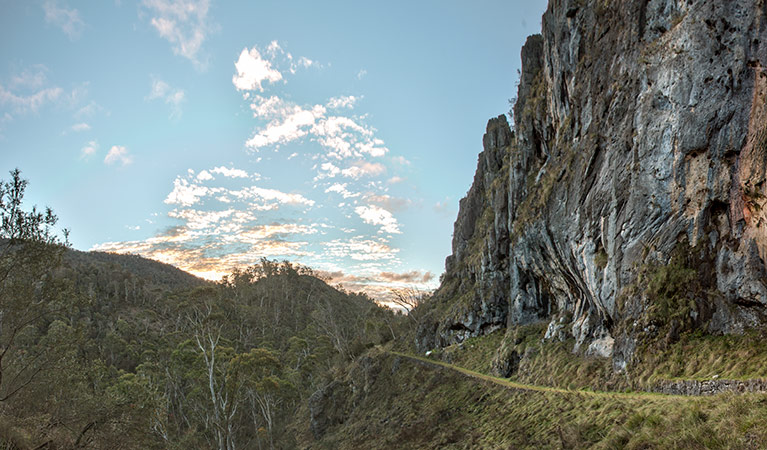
{"x":306,"y":62}
{"x":252,"y":70}
{"x":363,"y":169}
{"x":32,"y":102}
{"x":360,"y":249}
{"x":183,"y":23}
{"x":118,"y":155}
{"x":204,"y":176}
{"x":170,"y":95}
{"x":340,"y":188}
{"x":361,"y":74}
{"x":401,"y":160}
{"x":30,"y":78}
{"x":90,"y":110}
{"x":89,"y":149}
{"x":265,"y":194}
{"x":343,"y":136}
{"x":231,"y":173}
{"x":347,"y":101}
{"x":186,"y":194}
{"x":293,"y":126}
{"x":374,"y":215}
{"x":80,"y":127}
{"x":67,"y":19}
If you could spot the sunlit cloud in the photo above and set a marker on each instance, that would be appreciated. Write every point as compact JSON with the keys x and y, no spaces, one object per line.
{"x":346,"y":101}
{"x":252,"y":70}
{"x":324,"y":200}
{"x":118,"y":155}
{"x":340,"y":188}
{"x":183,"y":23}
{"x":363,"y":169}
{"x":374,"y":215}
{"x":185,"y":193}
{"x":360,"y":249}
{"x":68,"y":20}
{"x":231,"y":173}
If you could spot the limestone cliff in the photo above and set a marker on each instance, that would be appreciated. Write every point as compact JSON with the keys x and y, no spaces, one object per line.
{"x":628,"y":199}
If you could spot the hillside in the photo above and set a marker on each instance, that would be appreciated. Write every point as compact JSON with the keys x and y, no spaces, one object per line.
{"x":124,"y":352}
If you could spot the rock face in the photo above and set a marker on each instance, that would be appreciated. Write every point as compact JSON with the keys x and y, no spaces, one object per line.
{"x":640,"y":132}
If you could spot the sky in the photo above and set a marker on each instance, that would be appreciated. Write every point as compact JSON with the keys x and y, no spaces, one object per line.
{"x":210,"y":134}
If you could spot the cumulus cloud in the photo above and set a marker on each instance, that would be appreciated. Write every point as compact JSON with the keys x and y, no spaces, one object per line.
{"x":340,"y":188}
{"x":68,"y":20}
{"x":183,"y":23}
{"x":185,"y":193}
{"x":374,"y":215}
{"x":231,"y":173}
{"x":252,"y":70}
{"x":204,"y":176}
{"x":118,"y":155}
{"x":211,"y":241}
{"x":188,"y":192}
{"x":343,"y":137}
{"x":347,"y":101}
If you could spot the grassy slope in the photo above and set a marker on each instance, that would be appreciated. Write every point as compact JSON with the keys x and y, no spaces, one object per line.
{"x":414,"y":404}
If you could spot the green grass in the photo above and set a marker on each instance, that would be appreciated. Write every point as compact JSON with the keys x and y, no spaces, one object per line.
{"x":413,"y":404}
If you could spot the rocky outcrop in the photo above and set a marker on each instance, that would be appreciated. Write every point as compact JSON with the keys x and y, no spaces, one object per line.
{"x":640,"y":130}
{"x":711,"y":387}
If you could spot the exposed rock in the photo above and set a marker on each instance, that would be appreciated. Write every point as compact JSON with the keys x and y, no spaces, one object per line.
{"x":327,"y":407}
{"x":710,"y":387}
{"x":638,"y":126}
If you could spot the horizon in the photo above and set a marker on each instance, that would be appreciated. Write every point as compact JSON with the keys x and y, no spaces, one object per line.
{"x":207,"y":135}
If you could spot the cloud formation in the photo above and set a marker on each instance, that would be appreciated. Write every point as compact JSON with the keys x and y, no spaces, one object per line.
{"x":68,"y":20}
{"x":324,"y":200}
{"x":374,"y":215}
{"x":183,"y":23}
{"x":82,"y":126}
{"x":170,"y":95}
{"x":252,"y":70}
{"x":118,"y":155}
{"x":89,"y":149}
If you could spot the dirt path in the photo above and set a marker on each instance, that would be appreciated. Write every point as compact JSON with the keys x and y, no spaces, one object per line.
{"x":646,"y":396}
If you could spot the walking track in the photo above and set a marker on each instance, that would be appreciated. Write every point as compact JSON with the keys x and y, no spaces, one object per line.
{"x":647,"y":396}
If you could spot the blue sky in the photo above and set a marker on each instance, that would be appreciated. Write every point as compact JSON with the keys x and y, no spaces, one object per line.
{"x":207,"y":134}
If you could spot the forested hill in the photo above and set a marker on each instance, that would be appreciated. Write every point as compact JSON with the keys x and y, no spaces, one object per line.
{"x":128,"y":271}
{"x":115,"y":351}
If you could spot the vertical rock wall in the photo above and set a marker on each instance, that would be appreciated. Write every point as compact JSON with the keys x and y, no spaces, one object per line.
{"x":640,"y":129}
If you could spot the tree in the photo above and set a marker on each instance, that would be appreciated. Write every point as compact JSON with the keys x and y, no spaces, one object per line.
{"x":408,"y":299}
{"x":29,"y":296}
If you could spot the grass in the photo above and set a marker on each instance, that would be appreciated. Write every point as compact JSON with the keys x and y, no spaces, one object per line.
{"x":701,"y":357}
{"x":695,"y":356}
{"x":412,"y":403}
